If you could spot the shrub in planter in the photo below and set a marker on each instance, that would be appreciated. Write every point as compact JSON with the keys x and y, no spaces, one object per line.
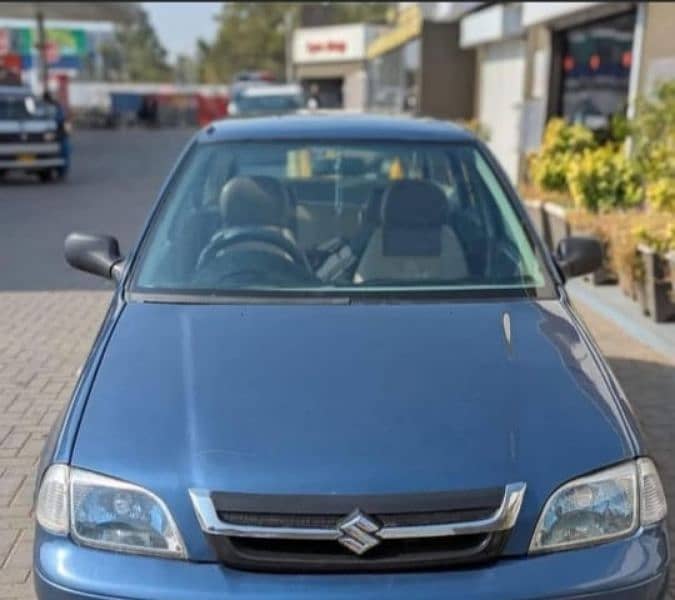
{"x":641,"y":259}
{"x":626,"y":262}
{"x":621,"y":231}
{"x":603,"y":179}
{"x":660,"y":239}
{"x":654,"y":289}
{"x":653,"y":134}
{"x":549,"y":165}
{"x":660,"y":194}
{"x":670,"y":258}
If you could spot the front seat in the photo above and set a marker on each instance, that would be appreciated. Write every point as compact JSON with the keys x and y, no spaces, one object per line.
{"x":413,"y":243}
{"x":245,"y":202}
{"x":257,"y":200}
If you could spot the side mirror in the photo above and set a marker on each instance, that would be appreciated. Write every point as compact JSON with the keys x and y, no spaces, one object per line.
{"x":577,"y":255}
{"x":93,"y":253}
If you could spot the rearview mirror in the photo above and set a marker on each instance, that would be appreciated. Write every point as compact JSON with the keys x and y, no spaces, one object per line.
{"x":577,"y":255}
{"x":93,"y":253}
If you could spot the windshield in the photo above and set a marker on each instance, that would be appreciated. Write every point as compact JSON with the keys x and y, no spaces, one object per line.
{"x":303,"y":218}
{"x":22,"y":108}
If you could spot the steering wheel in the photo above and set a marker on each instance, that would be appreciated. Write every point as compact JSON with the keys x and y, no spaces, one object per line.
{"x":271,"y":236}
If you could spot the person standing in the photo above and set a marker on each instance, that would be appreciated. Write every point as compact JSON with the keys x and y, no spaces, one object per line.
{"x":313,"y":102}
{"x":61,"y":129}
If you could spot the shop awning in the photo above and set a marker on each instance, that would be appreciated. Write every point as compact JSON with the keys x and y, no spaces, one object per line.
{"x":535,"y":13}
{"x":408,"y":26}
{"x":497,"y":22}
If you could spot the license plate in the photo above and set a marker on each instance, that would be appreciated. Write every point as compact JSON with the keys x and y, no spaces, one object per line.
{"x":26,"y":158}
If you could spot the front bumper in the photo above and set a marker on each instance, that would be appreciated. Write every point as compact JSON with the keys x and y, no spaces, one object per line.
{"x":628,"y":569}
{"x":32,"y":156}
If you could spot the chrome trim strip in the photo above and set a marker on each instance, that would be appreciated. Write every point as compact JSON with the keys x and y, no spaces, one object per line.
{"x":502,"y":519}
{"x":30,"y":148}
{"x":27,"y":166}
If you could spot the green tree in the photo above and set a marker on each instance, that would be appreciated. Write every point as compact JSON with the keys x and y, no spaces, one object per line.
{"x":365,"y":12}
{"x":143,"y":56}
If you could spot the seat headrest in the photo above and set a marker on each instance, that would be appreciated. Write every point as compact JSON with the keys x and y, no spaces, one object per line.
{"x":353,"y":166}
{"x":414,"y":203}
{"x":253,"y":201}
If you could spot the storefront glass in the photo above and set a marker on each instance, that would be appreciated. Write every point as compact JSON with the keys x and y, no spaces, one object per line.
{"x":596,"y":62}
{"x":393,"y":79}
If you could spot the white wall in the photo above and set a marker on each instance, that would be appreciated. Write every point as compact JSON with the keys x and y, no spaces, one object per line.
{"x":501,"y":74}
{"x":355,"y":90}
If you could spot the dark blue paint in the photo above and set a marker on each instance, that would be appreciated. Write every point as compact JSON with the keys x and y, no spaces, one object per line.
{"x":349,"y":399}
{"x":362,"y":398}
{"x":631,"y":569}
{"x":345,"y":127}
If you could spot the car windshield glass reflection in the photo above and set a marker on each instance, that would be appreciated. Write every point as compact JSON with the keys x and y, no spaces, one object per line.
{"x":306,"y":217}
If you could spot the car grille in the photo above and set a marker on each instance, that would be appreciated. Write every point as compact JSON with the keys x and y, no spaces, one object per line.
{"x":21,"y":138}
{"x":307,"y":556}
{"x":304,"y":534}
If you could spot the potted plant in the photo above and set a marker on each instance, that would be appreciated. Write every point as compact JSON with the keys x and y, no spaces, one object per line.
{"x":655,"y":285}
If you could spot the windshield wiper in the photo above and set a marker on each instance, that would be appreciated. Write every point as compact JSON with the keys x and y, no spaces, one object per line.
{"x":239,"y":296}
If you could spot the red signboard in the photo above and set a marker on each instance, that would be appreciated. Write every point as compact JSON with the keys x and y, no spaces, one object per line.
{"x":336,"y":46}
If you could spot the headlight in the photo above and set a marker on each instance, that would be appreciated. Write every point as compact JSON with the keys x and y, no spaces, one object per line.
{"x":49,"y":136}
{"x":601,"y":507}
{"x":106,"y":513}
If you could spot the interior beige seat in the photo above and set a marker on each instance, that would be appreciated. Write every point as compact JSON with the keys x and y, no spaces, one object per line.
{"x":414,"y":242}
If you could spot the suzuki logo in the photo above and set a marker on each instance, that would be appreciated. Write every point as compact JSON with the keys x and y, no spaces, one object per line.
{"x":356,"y":530}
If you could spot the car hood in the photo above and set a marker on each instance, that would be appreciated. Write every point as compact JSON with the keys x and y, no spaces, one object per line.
{"x":363,"y":398}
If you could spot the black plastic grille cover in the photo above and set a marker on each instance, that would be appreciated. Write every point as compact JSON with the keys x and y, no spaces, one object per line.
{"x":298,"y":556}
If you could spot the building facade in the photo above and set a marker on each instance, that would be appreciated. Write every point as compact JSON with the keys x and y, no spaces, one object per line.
{"x":584,"y":61}
{"x":417,"y":66}
{"x":332,"y":60}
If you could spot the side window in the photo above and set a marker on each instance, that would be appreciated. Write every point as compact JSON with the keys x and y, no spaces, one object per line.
{"x":439,"y":171}
{"x":510,"y":225}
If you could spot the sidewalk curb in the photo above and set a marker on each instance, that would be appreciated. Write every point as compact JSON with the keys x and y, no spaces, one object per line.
{"x":631,"y":324}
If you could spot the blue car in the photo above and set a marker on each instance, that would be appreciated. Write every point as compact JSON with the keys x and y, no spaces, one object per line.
{"x":340,"y":363}
{"x":34,"y":135}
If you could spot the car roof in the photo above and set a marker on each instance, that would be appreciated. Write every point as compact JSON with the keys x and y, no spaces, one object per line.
{"x":322,"y":126}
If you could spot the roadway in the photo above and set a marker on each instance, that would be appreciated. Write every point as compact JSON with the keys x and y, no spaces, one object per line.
{"x":114,"y":179}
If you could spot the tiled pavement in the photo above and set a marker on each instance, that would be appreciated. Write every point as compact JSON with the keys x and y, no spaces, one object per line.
{"x":44,"y":337}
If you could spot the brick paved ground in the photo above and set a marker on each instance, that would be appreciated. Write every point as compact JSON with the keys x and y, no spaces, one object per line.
{"x":44,"y":337}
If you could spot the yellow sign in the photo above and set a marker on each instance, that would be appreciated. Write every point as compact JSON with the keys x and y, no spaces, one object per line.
{"x":299,"y":164}
{"x":396,"y":170}
{"x":408,"y":26}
